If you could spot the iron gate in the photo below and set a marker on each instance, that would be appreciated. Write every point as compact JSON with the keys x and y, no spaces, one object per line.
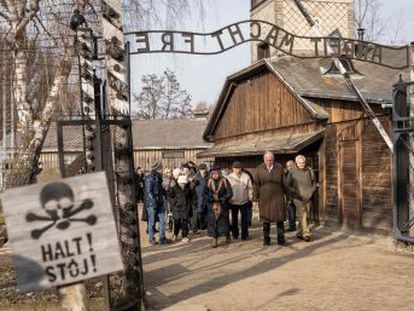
{"x":73,"y":146}
{"x":403,"y":172}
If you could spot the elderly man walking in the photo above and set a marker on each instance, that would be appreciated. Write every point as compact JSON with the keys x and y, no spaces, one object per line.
{"x":242,"y":187}
{"x":269,"y":189}
{"x":302,"y":184}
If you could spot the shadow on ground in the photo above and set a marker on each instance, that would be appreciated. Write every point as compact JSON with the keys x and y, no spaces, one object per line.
{"x":188,"y":253}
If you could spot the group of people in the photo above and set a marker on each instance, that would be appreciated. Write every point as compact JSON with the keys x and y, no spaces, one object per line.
{"x":193,"y":198}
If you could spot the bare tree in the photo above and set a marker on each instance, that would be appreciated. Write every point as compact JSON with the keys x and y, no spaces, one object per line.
{"x":177,"y":101}
{"x":162,"y":98}
{"x":33,"y":46}
{"x":168,"y":13}
{"x":43,"y":25}
{"x":150,"y":98}
{"x":370,"y":16}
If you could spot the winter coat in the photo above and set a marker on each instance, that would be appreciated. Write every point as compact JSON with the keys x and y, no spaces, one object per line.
{"x":269,"y":189}
{"x":218,"y":191}
{"x":302,"y":185}
{"x":242,"y":188}
{"x":154,"y":192}
{"x":199,"y":189}
{"x":181,"y":201}
{"x":139,"y":184}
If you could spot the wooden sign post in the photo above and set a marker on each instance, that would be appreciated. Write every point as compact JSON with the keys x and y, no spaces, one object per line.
{"x":62,"y":232}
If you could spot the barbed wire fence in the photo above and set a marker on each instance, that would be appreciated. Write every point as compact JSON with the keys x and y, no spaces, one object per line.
{"x":47,"y":41}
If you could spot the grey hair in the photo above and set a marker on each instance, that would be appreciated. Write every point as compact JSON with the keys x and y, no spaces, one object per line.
{"x":300,"y":158}
{"x":268,"y":153}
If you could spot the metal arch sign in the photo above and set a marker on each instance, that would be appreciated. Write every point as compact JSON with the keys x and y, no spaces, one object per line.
{"x":226,"y":38}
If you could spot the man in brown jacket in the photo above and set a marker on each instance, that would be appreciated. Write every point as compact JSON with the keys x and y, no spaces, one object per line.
{"x":302,"y":183}
{"x":269,"y":189}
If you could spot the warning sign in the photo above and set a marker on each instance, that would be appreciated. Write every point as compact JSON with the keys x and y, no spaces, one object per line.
{"x":62,"y":232}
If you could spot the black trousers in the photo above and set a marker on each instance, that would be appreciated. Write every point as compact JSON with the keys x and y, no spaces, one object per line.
{"x":181,"y":224}
{"x":198,"y":221}
{"x":291,"y":214}
{"x":244,"y":211}
{"x":280,"y":233}
{"x":250,"y":213}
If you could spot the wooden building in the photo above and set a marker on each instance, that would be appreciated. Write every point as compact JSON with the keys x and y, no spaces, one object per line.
{"x":290,"y":106}
{"x":171,"y":141}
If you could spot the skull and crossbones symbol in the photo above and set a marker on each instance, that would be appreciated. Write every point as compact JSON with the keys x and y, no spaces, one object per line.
{"x":57,"y":200}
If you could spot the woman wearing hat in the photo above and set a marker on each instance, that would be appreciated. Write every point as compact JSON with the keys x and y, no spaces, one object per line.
{"x":218,"y":192}
{"x":182,"y":198}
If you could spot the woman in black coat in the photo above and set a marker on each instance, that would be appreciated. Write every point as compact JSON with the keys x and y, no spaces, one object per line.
{"x":217,"y":194}
{"x":181,"y":197}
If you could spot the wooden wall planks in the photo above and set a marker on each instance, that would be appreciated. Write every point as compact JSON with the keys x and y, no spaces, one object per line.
{"x":260,"y":103}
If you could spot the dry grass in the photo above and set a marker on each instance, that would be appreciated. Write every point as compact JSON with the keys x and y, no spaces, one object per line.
{"x":48,"y":175}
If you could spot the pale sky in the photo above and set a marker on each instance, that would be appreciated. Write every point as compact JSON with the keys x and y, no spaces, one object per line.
{"x":203,"y":76}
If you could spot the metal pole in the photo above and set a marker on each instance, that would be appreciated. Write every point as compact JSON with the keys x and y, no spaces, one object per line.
{"x":4,"y":127}
{"x":130,"y":293}
{"x":81,"y":101}
{"x":73,"y":298}
{"x":371,"y":114}
{"x":128,"y":53}
{"x":410,"y":93}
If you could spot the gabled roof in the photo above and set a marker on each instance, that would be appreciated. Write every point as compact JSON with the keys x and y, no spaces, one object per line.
{"x":169,"y":134}
{"x":242,"y":75}
{"x":147,"y":134}
{"x":306,"y":79}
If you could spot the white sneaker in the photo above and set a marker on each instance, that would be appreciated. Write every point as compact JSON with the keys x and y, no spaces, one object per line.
{"x":175,"y":238}
{"x":186,"y":240}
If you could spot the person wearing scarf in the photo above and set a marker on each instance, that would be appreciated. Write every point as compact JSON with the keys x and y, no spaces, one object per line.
{"x":217,"y":194}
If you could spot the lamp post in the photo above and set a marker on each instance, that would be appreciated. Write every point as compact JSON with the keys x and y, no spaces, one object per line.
{"x":73,"y":297}
{"x":85,"y":48}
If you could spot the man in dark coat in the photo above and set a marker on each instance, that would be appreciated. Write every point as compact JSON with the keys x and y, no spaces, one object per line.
{"x":154,"y":202}
{"x":217,"y":194}
{"x":270,"y":189}
{"x":302,"y":183}
{"x":198,"y":221}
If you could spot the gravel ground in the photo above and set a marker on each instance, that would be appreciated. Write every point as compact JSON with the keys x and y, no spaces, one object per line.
{"x":337,"y":271}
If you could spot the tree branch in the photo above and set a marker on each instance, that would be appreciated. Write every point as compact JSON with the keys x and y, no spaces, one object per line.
{"x":21,"y":26}
{"x":5,"y":14}
{"x":47,"y":31}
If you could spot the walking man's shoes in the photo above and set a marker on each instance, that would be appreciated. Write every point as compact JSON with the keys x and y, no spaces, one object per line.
{"x":266,"y":242}
{"x":281,"y":242}
{"x":304,"y":238}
